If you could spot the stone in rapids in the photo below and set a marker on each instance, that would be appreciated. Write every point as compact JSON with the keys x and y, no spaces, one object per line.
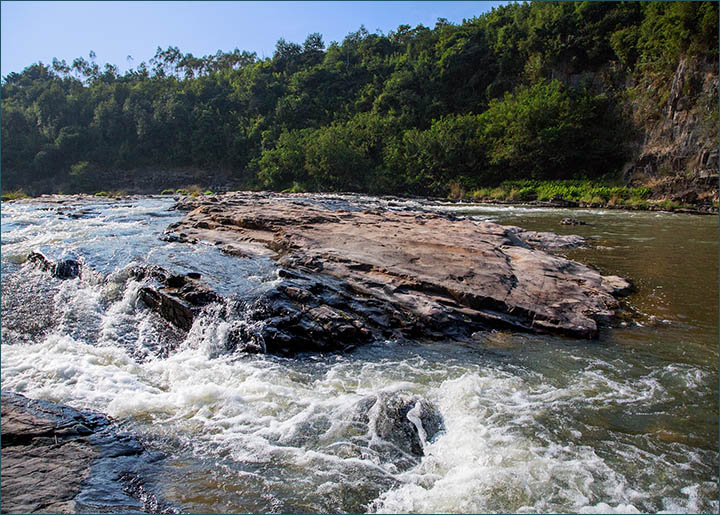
{"x":439,"y":269}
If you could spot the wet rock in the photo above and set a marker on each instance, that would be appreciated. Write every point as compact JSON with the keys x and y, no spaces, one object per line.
{"x":64,"y":269}
{"x":617,"y":285}
{"x":82,"y":213}
{"x":571,"y":221}
{"x":305,"y":313}
{"x":558,"y":201}
{"x":177,"y":298}
{"x":56,"y":459}
{"x":544,"y":240}
{"x":444,"y":274}
{"x":400,"y":425}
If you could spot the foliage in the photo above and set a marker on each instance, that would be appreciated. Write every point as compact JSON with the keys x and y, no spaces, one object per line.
{"x":453,"y":147}
{"x":14,"y":195}
{"x":591,"y":192}
{"x":531,"y":90}
{"x":82,"y":177}
{"x":547,"y":131}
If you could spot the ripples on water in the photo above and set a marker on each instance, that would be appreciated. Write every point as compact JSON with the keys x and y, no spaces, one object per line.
{"x":532,"y":423}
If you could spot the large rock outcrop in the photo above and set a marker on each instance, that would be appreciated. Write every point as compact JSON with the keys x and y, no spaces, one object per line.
{"x":440,"y":272}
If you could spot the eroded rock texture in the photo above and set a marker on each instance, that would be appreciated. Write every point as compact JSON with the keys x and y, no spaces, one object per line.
{"x":439,"y":272}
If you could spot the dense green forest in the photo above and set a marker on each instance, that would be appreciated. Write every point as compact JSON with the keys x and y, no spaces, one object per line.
{"x":527,"y":91}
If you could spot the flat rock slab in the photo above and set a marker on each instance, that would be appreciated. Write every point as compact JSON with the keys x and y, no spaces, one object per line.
{"x":56,"y":459}
{"x":438,"y":268}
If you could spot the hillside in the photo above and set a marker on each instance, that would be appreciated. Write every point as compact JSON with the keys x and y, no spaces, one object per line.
{"x":618,"y":92}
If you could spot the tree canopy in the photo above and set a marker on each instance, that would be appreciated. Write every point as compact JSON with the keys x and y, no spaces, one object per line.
{"x":524,"y":91}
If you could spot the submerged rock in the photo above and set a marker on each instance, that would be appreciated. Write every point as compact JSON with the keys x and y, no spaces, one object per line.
{"x":400,"y":425}
{"x":56,"y":459}
{"x":571,"y":221}
{"x":442,"y":274}
{"x":64,"y":269}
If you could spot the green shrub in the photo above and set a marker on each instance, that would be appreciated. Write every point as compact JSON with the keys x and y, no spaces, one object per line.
{"x":570,"y":190}
{"x":522,"y":194}
{"x":498,"y":194}
{"x":14,"y":195}
{"x":548,"y":131}
{"x":193,"y":190}
{"x":481,"y":193}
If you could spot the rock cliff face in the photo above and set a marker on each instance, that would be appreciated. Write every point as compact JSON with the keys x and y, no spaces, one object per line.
{"x":681,"y":138}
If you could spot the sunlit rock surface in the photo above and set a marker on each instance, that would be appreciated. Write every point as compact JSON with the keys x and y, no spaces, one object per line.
{"x":440,"y":273}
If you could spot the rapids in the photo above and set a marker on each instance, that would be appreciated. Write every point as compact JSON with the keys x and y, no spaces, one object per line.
{"x":627,"y":424}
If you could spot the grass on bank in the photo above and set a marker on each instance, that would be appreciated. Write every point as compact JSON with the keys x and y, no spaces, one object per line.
{"x":112,"y":194}
{"x":582,"y":192}
{"x":192,"y":191}
{"x":14,"y":195}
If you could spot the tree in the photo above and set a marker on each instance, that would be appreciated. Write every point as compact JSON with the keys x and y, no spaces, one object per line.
{"x":334,"y":162}
{"x":284,"y":165}
{"x":548,"y":131}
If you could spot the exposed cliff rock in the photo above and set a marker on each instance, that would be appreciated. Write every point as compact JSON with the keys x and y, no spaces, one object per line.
{"x":680,"y":137}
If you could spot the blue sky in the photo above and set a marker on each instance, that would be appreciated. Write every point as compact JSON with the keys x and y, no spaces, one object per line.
{"x":39,"y":31}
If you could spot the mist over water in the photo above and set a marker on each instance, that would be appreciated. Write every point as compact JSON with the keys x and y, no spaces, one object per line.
{"x":530,"y":423}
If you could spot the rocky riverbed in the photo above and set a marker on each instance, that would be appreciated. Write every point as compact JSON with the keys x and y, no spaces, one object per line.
{"x":164,"y":366}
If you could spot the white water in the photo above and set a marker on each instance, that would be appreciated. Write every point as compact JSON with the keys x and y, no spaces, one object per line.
{"x":532,"y":424}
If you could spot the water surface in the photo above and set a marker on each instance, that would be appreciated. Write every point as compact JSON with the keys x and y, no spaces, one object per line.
{"x":625,"y":424}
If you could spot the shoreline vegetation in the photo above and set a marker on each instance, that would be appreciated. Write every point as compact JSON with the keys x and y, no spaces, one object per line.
{"x":584,"y":194}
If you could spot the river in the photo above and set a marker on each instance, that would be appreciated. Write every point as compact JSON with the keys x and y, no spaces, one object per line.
{"x":627,"y":423}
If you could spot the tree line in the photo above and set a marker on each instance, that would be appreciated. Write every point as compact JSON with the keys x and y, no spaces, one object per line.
{"x":526,"y":91}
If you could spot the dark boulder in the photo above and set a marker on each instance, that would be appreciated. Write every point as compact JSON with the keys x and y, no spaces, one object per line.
{"x":571,"y":221}
{"x":400,"y":425}
{"x":313,"y":312}
{"x":177,"y":298}
{"x":303,"y":312}
{"x":64,"y":269}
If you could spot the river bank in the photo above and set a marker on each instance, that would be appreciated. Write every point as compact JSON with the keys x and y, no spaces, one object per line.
{"x":681,"y":194}
{"x":688,"y":194}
